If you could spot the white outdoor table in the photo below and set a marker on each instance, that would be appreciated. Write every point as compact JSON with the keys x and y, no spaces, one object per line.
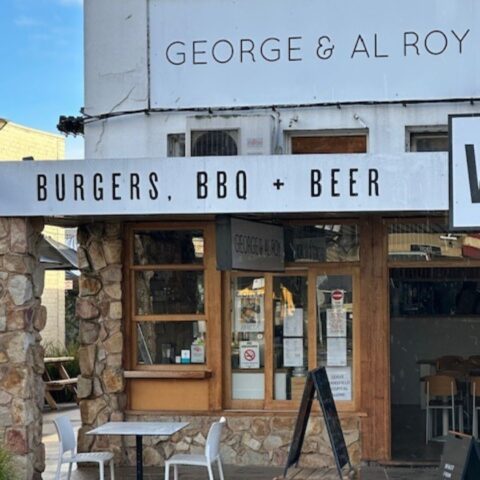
{"x":139,"y":429}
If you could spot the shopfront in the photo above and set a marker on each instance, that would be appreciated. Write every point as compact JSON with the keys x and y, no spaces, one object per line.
{"x":339,"y":145}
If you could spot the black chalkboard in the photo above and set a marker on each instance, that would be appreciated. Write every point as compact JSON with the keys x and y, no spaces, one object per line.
{"x":317,"y":381}
{"x":460,"y":458}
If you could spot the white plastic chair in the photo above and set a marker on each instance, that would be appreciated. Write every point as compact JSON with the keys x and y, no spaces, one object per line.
{"x":212,"y":453}
{"x":68,"y":444}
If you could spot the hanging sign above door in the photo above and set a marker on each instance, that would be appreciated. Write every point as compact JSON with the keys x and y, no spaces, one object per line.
{"x":247,"y":245}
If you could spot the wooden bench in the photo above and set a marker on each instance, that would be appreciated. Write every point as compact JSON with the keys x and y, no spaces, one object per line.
{"x":64,"y":382}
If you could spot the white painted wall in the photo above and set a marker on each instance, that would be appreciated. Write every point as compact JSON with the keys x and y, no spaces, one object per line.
{"x":116,"y":80}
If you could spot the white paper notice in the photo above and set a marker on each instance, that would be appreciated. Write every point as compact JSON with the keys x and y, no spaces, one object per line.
{"x":340,"y":379}
{"x":336,"y":322}
{"x":293,"y":324}
{"x":337,"y":352}
{"x":293,"y":352}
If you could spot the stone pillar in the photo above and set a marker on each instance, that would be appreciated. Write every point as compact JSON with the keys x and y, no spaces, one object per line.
{"x":101,"y":385}
{"x":21,"y":356}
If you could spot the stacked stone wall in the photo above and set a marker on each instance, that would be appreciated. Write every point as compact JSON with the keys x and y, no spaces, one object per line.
{"x":101,"y":384}
{"x":248,"y":439}
{"x":21,"y":356}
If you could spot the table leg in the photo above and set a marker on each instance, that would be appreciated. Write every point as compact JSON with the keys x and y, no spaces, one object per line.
{"x":139,"y":457}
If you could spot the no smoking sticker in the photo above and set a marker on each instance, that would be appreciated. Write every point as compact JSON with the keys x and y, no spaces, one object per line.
{"x":249,"y":355}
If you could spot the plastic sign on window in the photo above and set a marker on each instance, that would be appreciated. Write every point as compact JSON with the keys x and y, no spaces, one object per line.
{"x":249,"y":355}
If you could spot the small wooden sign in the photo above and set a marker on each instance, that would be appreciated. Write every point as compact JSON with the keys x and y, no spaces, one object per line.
{"x":460,"y":458}
{"x":317,"y":381}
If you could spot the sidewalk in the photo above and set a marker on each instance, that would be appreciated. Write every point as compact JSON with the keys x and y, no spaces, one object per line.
{"x":232,"y":472}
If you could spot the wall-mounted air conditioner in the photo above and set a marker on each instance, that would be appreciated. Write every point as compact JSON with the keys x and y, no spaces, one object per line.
{"x":214,"y":135}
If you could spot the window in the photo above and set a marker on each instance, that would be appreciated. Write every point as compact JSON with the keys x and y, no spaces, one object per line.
{"x":321,"y":243}
{"x":433,"y":271}
{"x":168,"y":280}
{"x":427,"y":141}
{"x":176,"y":145}
{"x":329,"y":143}
{"x":214,"y":143}
{"x":430,"y":242}
{"x":281,"y":327}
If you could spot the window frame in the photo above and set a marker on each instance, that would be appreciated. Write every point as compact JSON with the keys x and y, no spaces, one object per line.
{"x":310,"y":271}
{"x":328,"y":133}
{"x":180,"y":370}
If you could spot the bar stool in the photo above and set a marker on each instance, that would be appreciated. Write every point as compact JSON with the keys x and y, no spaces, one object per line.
{"x":441,"y":391}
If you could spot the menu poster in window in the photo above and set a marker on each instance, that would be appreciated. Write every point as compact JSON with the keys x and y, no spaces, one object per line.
{"x":249,"y":355}
{"x":293,"y":324}
{"x":340,"y":379}
{"x":293,"y":352}
{"x":337,"y":352}
{"x":336,"y":322}
{"x":249,"y":313}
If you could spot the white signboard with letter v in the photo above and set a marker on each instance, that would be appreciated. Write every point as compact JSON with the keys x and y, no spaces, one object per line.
{"x":464,"y":131}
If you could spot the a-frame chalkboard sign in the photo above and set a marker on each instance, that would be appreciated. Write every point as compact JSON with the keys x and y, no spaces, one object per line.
{"x":317,"y":382}
{"x":460,"y":458}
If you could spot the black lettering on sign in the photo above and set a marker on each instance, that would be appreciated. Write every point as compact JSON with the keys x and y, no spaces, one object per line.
{"x":247,"y":50}
{"x":41,"y":187}
{"x":134,"y":186}
{"x":335,"y":182}
{"x":241,"y":182}
{"x":472,"y":174}
{"x":202,"y":188}
{"x":315,"y":185}
{"x":60,"y":186}
{"x":79,"y":192}
{"x":97,"y":190}
{"x":360,"y":47}
{"x":373,"y":188}
{"x":410,"y":39}
{"x":153,"y":191}
{"x":353,"y":182}
{"x":115,"y":186}
{"x":221,"y":184}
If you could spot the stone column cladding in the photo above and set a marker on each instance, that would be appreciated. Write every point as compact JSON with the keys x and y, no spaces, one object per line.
{"x":21,"y":356}
{"x":101,"y":384}
{"x":248,"y":439}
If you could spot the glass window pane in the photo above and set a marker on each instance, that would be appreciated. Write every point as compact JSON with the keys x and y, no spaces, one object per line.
{"x":161,"y":343}
{"x":322,"y":243}
{"x":290,"y":309}
{"x":430,"y":242}
{"x":429,"y":141}
{"x":157,"y":247}
{"x":335,"y":339}
{"x":169,"y":292}
{"x":423,"y":292}
{"x":248,"y":325}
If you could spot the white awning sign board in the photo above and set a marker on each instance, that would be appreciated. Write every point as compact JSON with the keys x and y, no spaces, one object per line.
{"x":229,"y":53}
{"x":214,"y":185}
{"x":464,"y":165}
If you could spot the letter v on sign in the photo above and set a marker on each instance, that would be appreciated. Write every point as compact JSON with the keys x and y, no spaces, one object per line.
{"x":472,"y":174}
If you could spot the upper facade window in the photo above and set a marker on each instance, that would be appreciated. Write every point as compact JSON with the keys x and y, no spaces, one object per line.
{"x":433,"y":139}
{"x":342,"y":142}
{"x":214,"y":143}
